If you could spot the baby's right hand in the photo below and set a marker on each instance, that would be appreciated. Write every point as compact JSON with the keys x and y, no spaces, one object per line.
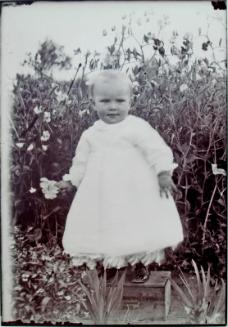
{"x":64,"y":186}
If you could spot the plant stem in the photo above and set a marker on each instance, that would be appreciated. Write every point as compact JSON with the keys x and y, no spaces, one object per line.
{"x":207,"y":214}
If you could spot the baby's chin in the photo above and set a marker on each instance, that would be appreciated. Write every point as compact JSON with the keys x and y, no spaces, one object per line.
{"x":113,"y":118}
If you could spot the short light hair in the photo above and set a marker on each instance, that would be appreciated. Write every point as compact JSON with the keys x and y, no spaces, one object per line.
{"x":106,"y":75}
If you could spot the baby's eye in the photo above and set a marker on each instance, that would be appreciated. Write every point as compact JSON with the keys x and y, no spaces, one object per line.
{"x":120,"y":100}
{"x":104,"y":100}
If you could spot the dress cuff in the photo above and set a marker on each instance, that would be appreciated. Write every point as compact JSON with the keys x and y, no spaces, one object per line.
{"x":66,"y":178}
{"x":170,"y":169}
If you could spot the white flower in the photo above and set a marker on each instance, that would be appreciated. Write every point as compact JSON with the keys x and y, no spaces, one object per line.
{"x":38,"y":110}
{"x":60,"y":96}
{"x":173,"y":60}
{"x":49,"y":188}
{"x":67,"y":297}
{"x":30,"y":147}
{"x":183,"y":87}
{"x":160,"y":71}
{"x":44,"y":147}
{"x":32,"y":190}
{"x":45,"y":136}
{"x":218,"y":171}
{"x":60,"y":293}
{"x":82,"y":112}
{"x":66,"y":178}
{"x":38,"y":58}
{"x":25,"y":277}
{"x":20,"y":145}
{"x":213,"y":82}
{"x":198,"y":77}
{"x":135,"y":84}
{"x":47,"y":117}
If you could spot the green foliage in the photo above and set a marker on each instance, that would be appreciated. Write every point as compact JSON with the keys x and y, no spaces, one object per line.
{"x":102,"y":299}
{"x":202,"y":303}
{"x":48,"y":56}
{"x":46,"y":286}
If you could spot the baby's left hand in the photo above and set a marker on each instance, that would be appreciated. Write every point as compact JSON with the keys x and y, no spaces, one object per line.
{"x":166,"y":183}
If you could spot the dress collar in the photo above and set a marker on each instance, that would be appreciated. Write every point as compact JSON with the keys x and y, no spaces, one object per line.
{"x":100,"y":124}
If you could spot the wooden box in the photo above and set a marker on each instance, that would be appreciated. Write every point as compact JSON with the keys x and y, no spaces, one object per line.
{"x":154,"y":293}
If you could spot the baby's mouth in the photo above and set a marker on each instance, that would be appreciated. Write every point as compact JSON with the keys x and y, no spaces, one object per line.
{"x":112,"y":115}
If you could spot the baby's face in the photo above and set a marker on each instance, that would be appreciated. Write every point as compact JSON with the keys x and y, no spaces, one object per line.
{"x":112,"y":100}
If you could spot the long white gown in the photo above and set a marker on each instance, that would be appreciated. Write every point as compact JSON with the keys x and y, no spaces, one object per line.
{"x":118,"y":211}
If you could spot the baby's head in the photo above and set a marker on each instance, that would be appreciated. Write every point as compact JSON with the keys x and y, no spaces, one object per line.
{"x":110,"y":92}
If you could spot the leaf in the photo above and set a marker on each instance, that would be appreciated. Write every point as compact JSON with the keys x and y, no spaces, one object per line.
{"x":86,"y":291}
{"x":181,"y":294}
{"x":199,"y":284}
{"x":204,"y":46}
{"x":116,"y":294}
{"x":188,"y":288}
{"x":44,"y":303}
{"x":101,"y":310}
{"x":91,"y":311}
{"x":26,"y":168}
{"x":111,"y":49}
{"x":95,"y":284}
{"x":191,"y":158}
{"x":35,"y":235}
{"x":161,"y":51}
{"x":145,"y":38}
{"x":96,"y":296}
{"x":221,"y":299}
{"x":103,"y":286}
{"x":157,"y":42}
{"x":221,"y":202}
{"x":206,"y":282}
{"x":56,"y":209}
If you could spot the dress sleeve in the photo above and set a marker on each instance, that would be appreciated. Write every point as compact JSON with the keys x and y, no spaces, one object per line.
{"x":157,"y":153}
{"x":79,"y":162}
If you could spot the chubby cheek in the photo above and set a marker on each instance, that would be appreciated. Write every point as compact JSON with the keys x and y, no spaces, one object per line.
{"x":102,"y":110}
{"x":101,"y":113}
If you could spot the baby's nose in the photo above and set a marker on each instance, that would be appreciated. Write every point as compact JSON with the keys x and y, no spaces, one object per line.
{"x":113,"y":106}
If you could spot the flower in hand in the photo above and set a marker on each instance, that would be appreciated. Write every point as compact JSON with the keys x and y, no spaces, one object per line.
{"x":166,"y":183}
{"x":49,"y":188}
{"x":64,"y":186}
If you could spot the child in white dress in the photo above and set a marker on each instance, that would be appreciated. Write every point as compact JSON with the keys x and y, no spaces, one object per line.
{"x":123,"y":212}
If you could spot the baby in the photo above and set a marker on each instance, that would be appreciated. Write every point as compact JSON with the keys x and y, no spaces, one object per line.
{"x":123,"y":212}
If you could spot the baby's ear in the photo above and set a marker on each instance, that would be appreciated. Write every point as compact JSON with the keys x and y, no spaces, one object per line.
{"x":131,"y":100}
{"x":92,"y":103}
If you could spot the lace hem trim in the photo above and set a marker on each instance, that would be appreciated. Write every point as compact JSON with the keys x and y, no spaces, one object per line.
{"x":118,"y":261}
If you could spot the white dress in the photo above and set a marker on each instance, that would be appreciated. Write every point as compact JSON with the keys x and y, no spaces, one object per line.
{"x":118,"y":215}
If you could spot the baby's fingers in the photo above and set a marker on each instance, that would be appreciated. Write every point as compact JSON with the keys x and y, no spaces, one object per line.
{"x":164,"y":191}
{"x":173,"y":188}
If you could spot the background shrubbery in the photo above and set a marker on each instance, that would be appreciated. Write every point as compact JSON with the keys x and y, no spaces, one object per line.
{"x":185,"y":102}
